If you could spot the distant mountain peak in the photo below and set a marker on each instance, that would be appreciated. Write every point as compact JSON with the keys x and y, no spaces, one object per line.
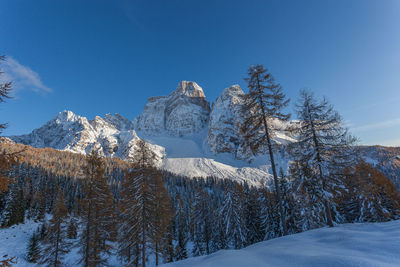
{"x":189,"y":89}
{"x":66,"y":115}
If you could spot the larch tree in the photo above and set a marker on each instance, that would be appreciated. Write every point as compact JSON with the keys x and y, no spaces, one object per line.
{"x":97,"y":214}
{"x":262,"y":106}
{"x":325,"y":146}
{"x":162,"y":213}
{"x":55,"y":244}
{"x":128,"y":237}
{"x":370,"y":196}
{"x":137,"y":206}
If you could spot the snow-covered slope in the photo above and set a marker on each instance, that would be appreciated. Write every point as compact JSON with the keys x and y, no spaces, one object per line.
{"x":370,"y":244}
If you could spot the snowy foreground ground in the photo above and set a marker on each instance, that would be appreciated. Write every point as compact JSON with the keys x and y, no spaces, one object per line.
{"x":375,"y":244}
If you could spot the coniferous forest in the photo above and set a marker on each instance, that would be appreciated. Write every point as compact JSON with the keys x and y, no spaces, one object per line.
{"x":141,"y":214}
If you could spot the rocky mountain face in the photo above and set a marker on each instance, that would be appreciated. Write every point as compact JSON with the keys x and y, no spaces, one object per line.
{"x":110,"y":136}
{"x":188,"y":136}
{"x":225,"y":121}
{"x":183,"y":112}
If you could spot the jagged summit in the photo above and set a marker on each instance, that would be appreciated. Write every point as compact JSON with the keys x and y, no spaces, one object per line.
{"x":189,"y":89}
{"x":66,"y":115}
{"x":183,"y":112}
{"x":120,"y":122}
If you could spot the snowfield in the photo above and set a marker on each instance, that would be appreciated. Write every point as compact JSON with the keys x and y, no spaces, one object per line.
{"x":369,"y":244}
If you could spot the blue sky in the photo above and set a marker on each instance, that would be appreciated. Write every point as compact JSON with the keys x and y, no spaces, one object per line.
{"x":97,"y":57}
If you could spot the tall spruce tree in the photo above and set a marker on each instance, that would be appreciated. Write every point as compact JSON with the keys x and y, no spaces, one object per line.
{"x":253,"y":217}
{"x":261,"y":106}
{"x":233,"y":215}
{"x":325,"y":146}
{"x":97,"y":213}
{"x":181,"y":229}
{"x":202,"y":221}
{"x":55,"y":244}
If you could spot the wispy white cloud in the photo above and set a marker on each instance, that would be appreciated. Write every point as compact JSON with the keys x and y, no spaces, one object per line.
{"x":22,"y":76}
{"x":377,"y":125}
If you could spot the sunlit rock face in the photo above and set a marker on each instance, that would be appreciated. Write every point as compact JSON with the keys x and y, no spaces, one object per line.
{"x":109,"y":136}
{"x":185,"y":111}
{"x":225,"y":120}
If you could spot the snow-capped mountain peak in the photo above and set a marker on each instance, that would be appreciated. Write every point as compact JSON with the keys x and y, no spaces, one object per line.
{"x":66,"y":115}
{"x":183,"y":112}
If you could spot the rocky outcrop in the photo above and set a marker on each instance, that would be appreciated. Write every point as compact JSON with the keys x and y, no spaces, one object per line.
{"x":225,"y":120}
{"x":183,"y":112}
{"x":119,"y":122}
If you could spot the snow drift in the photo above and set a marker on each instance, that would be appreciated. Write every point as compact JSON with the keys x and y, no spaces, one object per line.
{"x":369,"y":244}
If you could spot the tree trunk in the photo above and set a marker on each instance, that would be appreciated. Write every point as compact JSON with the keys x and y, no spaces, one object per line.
{"x":156,"y":253}
{"x":143,"y":237}
{"x":271,"y":156}
{"x":86,"y":264}
{"x":57,"y":245}
{"x":278,"y":191}
{"x":321,"y":176}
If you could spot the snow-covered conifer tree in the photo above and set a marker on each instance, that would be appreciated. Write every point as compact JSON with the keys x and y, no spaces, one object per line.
{"x":202,"y":221}
{"x":325,"y":146}
{"x":233,"y":216}
{"x":261,"y":106}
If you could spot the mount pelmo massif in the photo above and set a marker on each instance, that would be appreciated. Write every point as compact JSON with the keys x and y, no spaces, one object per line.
{"x":190,"y":136}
